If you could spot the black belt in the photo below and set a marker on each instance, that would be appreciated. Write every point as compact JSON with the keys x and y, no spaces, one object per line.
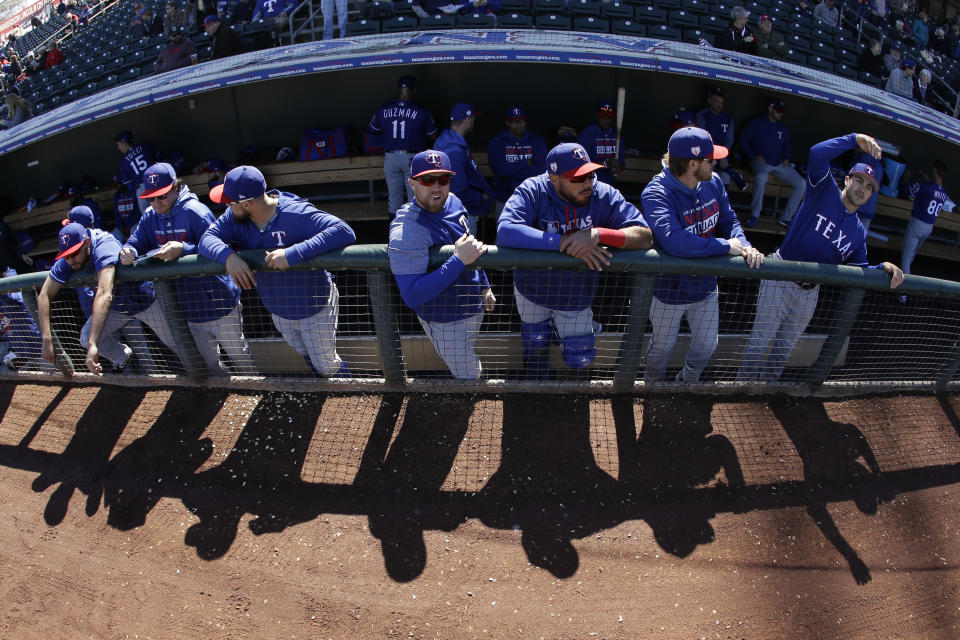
{"x":806,"y":286}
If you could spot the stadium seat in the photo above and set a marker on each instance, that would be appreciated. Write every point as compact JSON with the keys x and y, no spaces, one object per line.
{"x":399,"y":23}
{"x":821,"y":63}
{"x":849,"y":57}
{"x":798,"y":43}
{"x":438,"y":22}
{"x":616,"y":11}
{"x":845,"y":70}
{"x":713,"y":24}
{"x":695,"y":35}
{"x":682,"y":19}
{"x":823,"y":50}
{"x":700,"y":7}
{"x":549,"y":7}
{"x":670,"y":5}
{"x":70,"y":96}
{"x":515,"y":6}
{"x":629,"y":28}
{"x":591,"y":24}
{"x":515,"y":21}
{"x":796,"y":57}
{"x":88,"y":89}
{"x":403,"y":8}
{"x":843,"y":40}
{"x":107,"y":81}
{"x":477,"y":21}
{"x":797,"y":28}
{"x":53,"y":103}
{"x":664,"y":32}
{"x":585,"y":8}
{"x":130,"y":74}
{"x":39,"y":107}
{"x":651,"y":15}
{"x":553,"y":22}
{"x":115,"y":64}
{"x":869,"y":78}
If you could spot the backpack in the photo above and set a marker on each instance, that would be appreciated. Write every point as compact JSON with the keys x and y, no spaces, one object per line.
{"x":318,"y":144}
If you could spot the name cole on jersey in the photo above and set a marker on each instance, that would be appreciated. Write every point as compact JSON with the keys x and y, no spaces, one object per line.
{"x":834,"y":234}
{"x":568,"y":227}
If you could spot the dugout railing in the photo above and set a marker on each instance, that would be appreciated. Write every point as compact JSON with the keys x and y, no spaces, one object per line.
{"x":861,"y":337}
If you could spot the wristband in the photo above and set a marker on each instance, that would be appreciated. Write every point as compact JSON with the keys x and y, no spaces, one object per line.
{"x":612,"y":237}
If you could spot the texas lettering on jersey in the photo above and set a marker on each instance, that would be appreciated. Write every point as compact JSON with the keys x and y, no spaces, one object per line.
{"x":835,"y":235}
{"x":577,"y":224}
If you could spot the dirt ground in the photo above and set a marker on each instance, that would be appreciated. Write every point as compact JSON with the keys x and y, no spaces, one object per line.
{"x":173,"y":513}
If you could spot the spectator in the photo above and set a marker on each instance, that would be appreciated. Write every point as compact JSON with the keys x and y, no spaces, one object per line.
{"x":892,"y":60}
{"x":902,"y":32}
{"x":173,"y":17}
{"x":827,"y":13}
{"x":152,"y":23}
{"x":326,"y":8}
{"x":425,"y":8}
{"x":226,"y":41}
{"x":275,"y":10}
{"x":770,"y":44}
{"x":766,"y":142}
{"x":55,"y":56}
{"x":719,"y":125}
{"x":181,"y":52}
{"x":13,"y":68}
{"x":600,"y":141}
{"x":18,"y":109}
{"x":468,"y":183}
{"x":901,"y":79}
{"x":878,"y":12}
{"x":515,"y":155}
{"x":137,"y":29}
{"x":953,"y":41}
{"x":921,"y":30}
{"x":737,"y":37}
{"x":31,"y":65}
{"x":938,"y":40}
{"x":871,"y":61}
{"x":921,"y":91}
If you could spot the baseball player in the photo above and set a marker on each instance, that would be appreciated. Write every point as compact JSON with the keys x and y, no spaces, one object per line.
{"x":19,"y":332}
{"x":126,"y":212}
{"x":449,"y":301}
{"x":929,"y":198}
{"x":868,"y":211}
{"x":826,"y":230}
{"x":402,"y":127}
{"x":468,"y":184}
{"x":565,"y":209}
{"x":136,"y":159}
{"x":170,"y":228}
{"x":303,"y":304}
{"x":766,"y":142}
{"x":600,"y":140}
{"x":691,"y":217}
{"x":719,"y":125}
{"x":515,"y":155}
{"x":114,"y":304}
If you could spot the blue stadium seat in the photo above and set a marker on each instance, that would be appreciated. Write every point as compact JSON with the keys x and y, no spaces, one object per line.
{"x":549,"y":7}
{"x":821,"y":63}
{"x":700,"y":7}
{"x":796,"y":57}
{"x":868,"y":78}
{"x":651,"y":15}
{"x":682,"y":19}
{"x":798,"y":43}
{"x":845,"y":70}
{"x":438,"y":22}
{"x":843,"y":40}
{"x":107,"y":81}
{"x":617,"y":11}
{"x":585,"y":8}
{"x":399,"y":23}
{"x":695,"y":35}
{"x":515,"y":6}
{"x":552,"y":22}
{"x":664,"y":32}
{"x":629,"y":28}
{"x":515,"y":21}
{"x":848,"y":57}
{"x":363,"y":27}
{"x":713,"y":24}
{"x":823,"y":50}
{"x":670,"y":5}
{"x":130,"y":74}
{"x":477,"y":21}
{"x":403,"y":8}
{"x":592,"y":24}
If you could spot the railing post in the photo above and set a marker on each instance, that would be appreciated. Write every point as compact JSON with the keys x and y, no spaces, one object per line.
{"x":837,"y":336}
{"x":641,"y":293}
{"x":388,"y":338}
{"x":165,"y":291}
{"x":63,"y":358}
{"x":946,"y":375}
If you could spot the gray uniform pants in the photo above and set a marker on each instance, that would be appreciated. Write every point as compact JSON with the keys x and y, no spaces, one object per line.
{"x":316,"y":336}
{"x":761,"y":171}
{"x":396,"y":170}
{"x":224,"y":333}
{"x":703,"y":318}
{"x":456,"y":344}
{"x":109,"y":344}
{"x":915,"y":235}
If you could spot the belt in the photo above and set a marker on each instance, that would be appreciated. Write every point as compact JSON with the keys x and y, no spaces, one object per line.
{"x":806,"y":286}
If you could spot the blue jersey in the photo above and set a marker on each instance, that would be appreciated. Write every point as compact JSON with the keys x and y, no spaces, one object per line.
{"x":305,"y":232}
{"x":928,"y":200}
{"x":468,"y":184}
{"x":689,"y":223}
{"x":718,"y":125}
{"x":125,"y":211}
{"x":135,"y":162}
{"x":402,"y":126}
{"x":17,"y":327}
{"x":869,"y":209}
{"x":823,"y":230}
{"x":451,"y":292}
{"x":272,"y":8}
{"x":763,"y":137}
{"x":513,"y":160}
{"x":601,"y":145}
{"x":536,"y":217}
{"x":129,"y":297}
{"x":202,"y":298}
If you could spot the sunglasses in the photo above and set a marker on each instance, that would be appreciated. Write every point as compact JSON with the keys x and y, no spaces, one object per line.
{"x":429,"y":181}
{"x":579,"y":179}
{"x":163,"y":197}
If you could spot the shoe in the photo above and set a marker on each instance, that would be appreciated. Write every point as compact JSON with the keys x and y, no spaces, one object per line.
{"x":784,"y":223}
{"x":751,"y":221}
{"x":118,"y":367}
{"x":10,"y":359}
{"x":737,"y":179}
{"x":902,"y":299}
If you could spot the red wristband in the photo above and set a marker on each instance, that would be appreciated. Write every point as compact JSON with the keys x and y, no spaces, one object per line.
{"x":612,"y":237}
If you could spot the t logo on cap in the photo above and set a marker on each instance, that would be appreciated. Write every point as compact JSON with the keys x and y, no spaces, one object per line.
{"x":434,"y":158}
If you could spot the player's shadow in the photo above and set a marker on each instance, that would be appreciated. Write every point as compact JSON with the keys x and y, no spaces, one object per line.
{"x":260,"y":475}
{"x":838,"y":463}
{"x":549,"y":485}
{"x":163,"y":459}
{"x":668,"y":467}
{"x":400,"y":482}
{"x":84,"y":462}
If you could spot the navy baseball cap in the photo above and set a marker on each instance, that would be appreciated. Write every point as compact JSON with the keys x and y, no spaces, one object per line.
{"x":683,"y":118}
{"x":123,"y":136}
{"x":896,"y":45}
{"x":70,"y":239}
{"x":570,"y":160}
{"x":694,"y":143}
{"x":605,"y":106}
{"x":777,"y":104}
{"x":430,"y":162}
{"x":407,"y":82}
{"x":867,"y":171}
{"x":81,"y":215}
{"x":158,"y":179}
{"x":461,"y":111}
{"x":210,"y":19}
{"x":241,"y":183}
{"x":516,"y":113}
{"x":717,"y":91}
{"x":908,"y":63}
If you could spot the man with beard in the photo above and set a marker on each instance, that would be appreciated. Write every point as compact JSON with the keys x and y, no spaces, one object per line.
{"x":449,"y":301}
{"x":827,"y":231}
{"x":304,"y":305}
{"x":566,"y":209}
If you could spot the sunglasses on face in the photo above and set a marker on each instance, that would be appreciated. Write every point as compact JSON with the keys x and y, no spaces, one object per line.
{"x":163,"y":197}
{"x":579,"y":179}
{"x":429,"y":181}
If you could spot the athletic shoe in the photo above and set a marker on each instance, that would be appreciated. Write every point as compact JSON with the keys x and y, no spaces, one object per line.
{"x":751,"y":221}
{"x":737,"y":179}
{"x":118,"y":367}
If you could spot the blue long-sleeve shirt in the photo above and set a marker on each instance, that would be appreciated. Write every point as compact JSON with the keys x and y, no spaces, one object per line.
{"x":304,"y":232}
{"x":601,"y":145}
{"x":272,"y":8}
{"x":763,"y":137}
{"x":202,"y":298}
{"x":823,"y":230}
{"x":929,"y":199}
{"x":536,"y":217}
{"x":689,"y":223}
{"x":446,"y":294}
{"x":718,"y":125}
{"x":468,"y":184}
{"x":513,"y":160}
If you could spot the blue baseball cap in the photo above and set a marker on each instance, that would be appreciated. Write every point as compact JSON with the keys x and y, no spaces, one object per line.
{"x":123,"y":136}
{"x":605,"y":107}
{"x":461,"y":111}
{"x":777,"y":104}
{"x":516,"y":113}
{"x":158,"y":179}
{"x":210,"y":19}
{"x":570,"y":160}
{"x":908,"y":63}
{"x":694,"y":143}
{"x":80,"y":214}
{"x":683,"y":118}
{"x":867,"y":171}
{"x":430,"y":162}
{"x":241,"y":183}
{"x":70,"y":239}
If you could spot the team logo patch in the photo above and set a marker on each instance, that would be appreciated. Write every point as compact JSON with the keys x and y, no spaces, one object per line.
{"x":64,"y":240}
{"x":320,"y":144}
{"x":153,"y":179}
{"x":434,"y":158}
{"x":579,"y":153}
{"x":695,"y":150}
